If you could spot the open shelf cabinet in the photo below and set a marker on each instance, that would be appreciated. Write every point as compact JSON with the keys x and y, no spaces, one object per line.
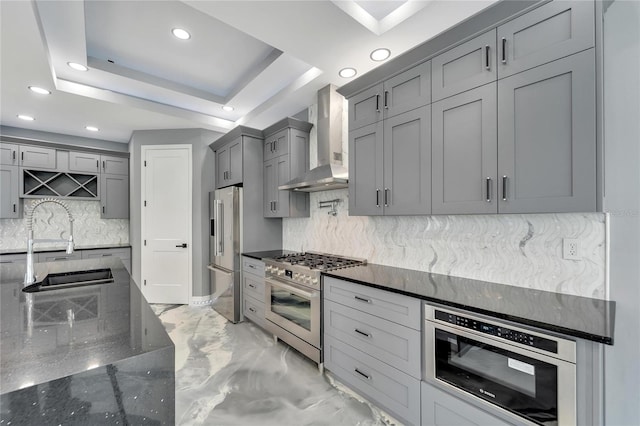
{"x":41,"y":183}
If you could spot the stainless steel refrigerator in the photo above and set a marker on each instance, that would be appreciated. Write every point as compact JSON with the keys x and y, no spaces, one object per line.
{"x":225,"y":213}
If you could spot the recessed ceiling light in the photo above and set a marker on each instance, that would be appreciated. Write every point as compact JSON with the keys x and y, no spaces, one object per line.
{"x":181,"y":34}
{"x":39,"y":90}
{"x":347,"y":72}
{"x":78,"y":67}
{"x":92,"y":128}
{"x":227,"y":108}
{"x":25,"y":117}
{"x":380,"y":54}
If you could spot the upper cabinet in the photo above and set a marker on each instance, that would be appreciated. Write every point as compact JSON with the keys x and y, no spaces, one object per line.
{"x":9,"y":154}
{"x":286,"y":157}
{"x":114,"y":165}
{"x":403,"y":92}
{"x":10,"y":203}
{"x":84,"y":162}
{"x":552,"y":31}
{"x":230,"y":152}
{"x":464,"y":67}
{"x":37,"y":157}
{"x":513,"y":125}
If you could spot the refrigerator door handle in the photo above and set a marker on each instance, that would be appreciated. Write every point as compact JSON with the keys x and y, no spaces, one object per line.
{"x":220,"y":228}
{"x":216,"y":228}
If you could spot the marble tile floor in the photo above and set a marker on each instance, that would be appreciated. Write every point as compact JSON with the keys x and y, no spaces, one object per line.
{"x":235,"y":374}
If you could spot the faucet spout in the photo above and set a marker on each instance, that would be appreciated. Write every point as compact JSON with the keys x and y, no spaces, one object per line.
{"x":30,"y":276}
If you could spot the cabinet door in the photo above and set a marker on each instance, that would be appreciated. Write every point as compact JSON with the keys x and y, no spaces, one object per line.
{"x":10,"y":207}
{"x":58,"y":256}
{"x":222,"y":167}
{"x":8,"y":154}
{"x":407,"y":163}
{"x":550,"y":32}
{"x":465,"y":161}
{"x":270,"y":184}
{"x":114,"y":196}
{"x":235,"y":163}
{"x":114,"y":165}
{"x":124,"y":254}
{"x":365,"y":108}
{"x":408,"y":90}
{"x":442,"y":409}
{"x":365,"y":171}
{"x":84,"y":162}
{"x":464,"y":67}
{"x":37,"y":157}
{"x":276,"y":144}
{"x":283,"y":174}
{"x":546,"y":138}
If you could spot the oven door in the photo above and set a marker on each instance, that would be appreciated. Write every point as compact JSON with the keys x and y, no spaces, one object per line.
{"x":536,"y":387}
{"x":295,"y":308}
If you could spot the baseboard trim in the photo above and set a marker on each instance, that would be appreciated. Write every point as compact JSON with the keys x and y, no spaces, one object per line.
{"x":201,"y":300}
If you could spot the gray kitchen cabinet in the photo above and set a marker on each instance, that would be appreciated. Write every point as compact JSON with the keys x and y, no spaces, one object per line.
{"x":9,"y":154}
{"x":465,"y":160}
{"x":401,"y":93}
{"x":372,"y":343}
{"x":253,"y":296}
{"x":13,"y":258}
{"x":365,"y":170}
{"x":114,"y":165}
{"x":464,"y":67}
{"x":391,"y":175}
{"x":552,"y":31}
{"x":439,"y":408}
{"x":229,"y":164}
{"x":58,"y":256}
{"x":114,"y":196}
{"x":37,"y":157}
{"x":547,"y":138}
{"x":286,"y":153}
{"x":84,"y":162}
{"x":10,"y":202}
{"x":124,"y":254}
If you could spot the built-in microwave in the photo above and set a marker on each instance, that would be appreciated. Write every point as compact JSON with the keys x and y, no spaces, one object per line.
{"x":523,"y":374}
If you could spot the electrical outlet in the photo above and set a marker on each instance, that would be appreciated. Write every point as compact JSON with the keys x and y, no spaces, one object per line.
{"x":570,"y":249}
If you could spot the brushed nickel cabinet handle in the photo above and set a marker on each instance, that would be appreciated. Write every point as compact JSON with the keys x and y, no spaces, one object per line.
{"x":377,"y":102}
{"x":362,"y":299}
{"x":386,"y":99}
{"x":488,"y":189}
{"x":377,"y":198}
{"x":386,"y":197}
{"x":366,"y":376}
{"x":362,"y":333}
{"x":487,"y":60}
{"x":504,"y":188}
{"x":504,"y":50}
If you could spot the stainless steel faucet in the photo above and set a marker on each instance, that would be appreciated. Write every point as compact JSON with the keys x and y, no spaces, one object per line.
{"x":30,"y":276}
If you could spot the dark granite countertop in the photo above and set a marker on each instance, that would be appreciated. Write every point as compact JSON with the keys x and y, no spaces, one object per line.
{"x":53,"y":334}
{"x":583,"y":317}
{"x":267,"y":254}
{"x":62,"y":248}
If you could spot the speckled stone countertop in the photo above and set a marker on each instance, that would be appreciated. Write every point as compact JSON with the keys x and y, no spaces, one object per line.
{"x":62,"y":248}
{"x":583,"y":317}
{"x":59,"y":333}
{"x":267,"y":254}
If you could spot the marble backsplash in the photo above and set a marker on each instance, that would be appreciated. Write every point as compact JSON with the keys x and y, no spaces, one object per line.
{"x":521,"y":250}
{"x":50,"y":221}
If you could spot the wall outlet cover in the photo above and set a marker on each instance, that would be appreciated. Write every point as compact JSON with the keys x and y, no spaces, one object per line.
{"x":570,"y":249}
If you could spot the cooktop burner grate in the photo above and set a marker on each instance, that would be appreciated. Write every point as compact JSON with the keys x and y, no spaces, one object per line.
{"x":319,"y":261}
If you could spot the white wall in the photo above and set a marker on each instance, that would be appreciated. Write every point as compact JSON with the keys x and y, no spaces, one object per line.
{"x":622,"y":202}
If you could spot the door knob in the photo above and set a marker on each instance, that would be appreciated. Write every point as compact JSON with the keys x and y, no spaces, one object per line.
{"x":183,"y":245}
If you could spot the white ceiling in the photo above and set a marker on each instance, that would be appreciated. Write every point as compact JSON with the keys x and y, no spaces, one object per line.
{"x":267,"y":59}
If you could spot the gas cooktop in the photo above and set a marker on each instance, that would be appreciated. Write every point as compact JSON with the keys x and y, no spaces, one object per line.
{"x":318,"y":261}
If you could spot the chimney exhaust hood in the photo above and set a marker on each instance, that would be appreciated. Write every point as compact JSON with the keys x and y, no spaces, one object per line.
{"x":330,"y":173}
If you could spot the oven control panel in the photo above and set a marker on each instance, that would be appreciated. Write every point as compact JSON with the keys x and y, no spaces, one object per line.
{"x":501,"y":332}
{"x":290,"y":274}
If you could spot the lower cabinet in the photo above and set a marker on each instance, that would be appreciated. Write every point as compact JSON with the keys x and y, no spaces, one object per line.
{"x":57,"y":256}
{"x":372,"y":343}
{"x":253,"y":290}
{"x":13,"y":258}
{"x":442,"y":409}
{"x":124,"y":254}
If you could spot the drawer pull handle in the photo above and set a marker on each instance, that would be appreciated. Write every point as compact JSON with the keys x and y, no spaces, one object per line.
{"x":366,"y":376}
{"x":252,"y":266}
{"x":362,"y":299}
{"x":252,"y":310}
{"x":107,"y":255}
{"x":362,"y":333}
{"x":59,"y":258}
{"x":252,"y":286}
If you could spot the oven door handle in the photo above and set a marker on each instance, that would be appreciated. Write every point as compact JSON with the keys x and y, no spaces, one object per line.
{"x":290,"y":287}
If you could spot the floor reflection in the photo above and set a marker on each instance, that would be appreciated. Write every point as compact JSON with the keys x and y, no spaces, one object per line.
{"x":230,"y":374}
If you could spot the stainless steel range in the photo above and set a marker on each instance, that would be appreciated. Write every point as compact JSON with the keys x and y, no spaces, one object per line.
{"x":293,"y":291}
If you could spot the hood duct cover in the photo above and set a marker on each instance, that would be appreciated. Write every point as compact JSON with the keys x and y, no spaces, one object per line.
{"x":330,"y":173}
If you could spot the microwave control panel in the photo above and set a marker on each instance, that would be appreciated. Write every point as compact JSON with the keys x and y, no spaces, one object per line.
{"x":498,"y":331}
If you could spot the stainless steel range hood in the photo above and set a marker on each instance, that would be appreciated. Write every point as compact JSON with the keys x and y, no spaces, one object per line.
{"x":330,"y":173}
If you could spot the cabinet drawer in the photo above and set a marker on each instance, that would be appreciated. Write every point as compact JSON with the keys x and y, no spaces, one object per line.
{"x":442,"y":409}
{"x":393,"y":390}
{"x":253,"y":310}
{"x":394,"y":307}
{"x":253,"y":285}
{"x":389,"y":342}
{"x":13,"y":258}
{"x":253,"y":266}
{"x":56,"y":256}
{"x":123,"y":254}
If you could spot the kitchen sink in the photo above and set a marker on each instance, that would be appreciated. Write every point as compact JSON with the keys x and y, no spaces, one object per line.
{"x":71,"y":279}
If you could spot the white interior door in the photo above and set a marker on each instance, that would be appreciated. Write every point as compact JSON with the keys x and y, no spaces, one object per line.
{"x":166,"y":223}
